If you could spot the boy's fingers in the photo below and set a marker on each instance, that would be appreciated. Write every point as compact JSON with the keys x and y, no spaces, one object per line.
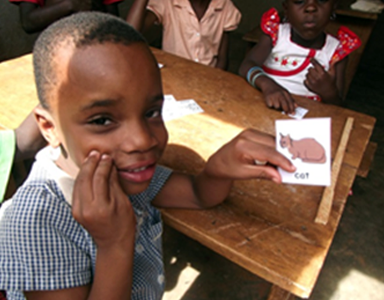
{"x":273,"y":157}
{"x":258,"y":137}
{"x":261,"y":172}
{"x":82,"y":190}
{"x":83,"y":182}
{"x":101,"y":179}
{"x":115,"y":188}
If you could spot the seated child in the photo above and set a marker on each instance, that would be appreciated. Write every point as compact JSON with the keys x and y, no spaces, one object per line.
{"x":35,"y":15}
{"x":196,"y":30}
{"x":104,"y":126}
{"x":16,"y":146}
{"x":298,"y":57}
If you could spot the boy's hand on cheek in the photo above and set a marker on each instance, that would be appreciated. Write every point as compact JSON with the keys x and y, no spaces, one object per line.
{"x":100,"y":205}
{"x":236,"y":159}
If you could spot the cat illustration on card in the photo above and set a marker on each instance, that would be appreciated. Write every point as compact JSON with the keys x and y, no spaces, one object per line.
{"x":307,"y":149}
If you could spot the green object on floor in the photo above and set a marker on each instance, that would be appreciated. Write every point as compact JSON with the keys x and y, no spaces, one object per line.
{"x":7,"y":152}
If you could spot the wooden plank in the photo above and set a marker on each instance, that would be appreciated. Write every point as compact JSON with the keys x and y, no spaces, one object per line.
{"x":366,"y":162}
{"x":277,"y":293}
{"x":329,"y":192}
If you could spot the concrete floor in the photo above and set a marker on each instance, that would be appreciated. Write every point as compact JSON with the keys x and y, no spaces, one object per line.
{"x":354,"y":268}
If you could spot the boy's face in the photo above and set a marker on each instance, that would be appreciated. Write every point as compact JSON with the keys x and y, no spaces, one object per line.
{"x":308,"y":17}
{"x":109,"y":98}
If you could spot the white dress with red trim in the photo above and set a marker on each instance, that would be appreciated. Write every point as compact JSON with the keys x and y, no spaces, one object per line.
{"x":288,"y":63}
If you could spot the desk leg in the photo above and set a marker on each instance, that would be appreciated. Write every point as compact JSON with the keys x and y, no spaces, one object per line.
{"x":278,"y":293}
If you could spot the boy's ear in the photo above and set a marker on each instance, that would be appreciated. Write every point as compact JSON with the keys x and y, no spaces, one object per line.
{"x":47,"y":126}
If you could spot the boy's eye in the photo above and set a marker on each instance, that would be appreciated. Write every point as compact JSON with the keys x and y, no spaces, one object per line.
{"x":154,"y":113}
{"x":100,"y":121}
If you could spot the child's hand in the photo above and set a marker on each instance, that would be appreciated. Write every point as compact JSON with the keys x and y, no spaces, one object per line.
{"x":321,"y":82}
{"x":250,"y":155}
{"x":277,"y":97}
{"x":100,"y":205}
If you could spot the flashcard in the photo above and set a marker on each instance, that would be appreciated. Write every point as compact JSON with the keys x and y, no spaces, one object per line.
{"x":173,"y":109}
{"x":299,"y":113}
{"x":307,"y":144}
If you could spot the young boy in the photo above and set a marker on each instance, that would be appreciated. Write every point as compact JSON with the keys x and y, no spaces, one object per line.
{"x":194,"y":29}
{"x":101,"y":99}
{"x":35,"y":15}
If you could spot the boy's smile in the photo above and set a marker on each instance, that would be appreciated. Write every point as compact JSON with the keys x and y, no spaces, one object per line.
{"x":109,"y":98}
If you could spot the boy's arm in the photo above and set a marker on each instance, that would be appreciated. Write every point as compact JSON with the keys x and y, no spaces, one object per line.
{"x":139,"y":17}
{"x":275,"y":96}
{"x":102,"y":208}
{"x":34,"y":18}
{"x":222,"y":58}
{"x":235,"y":160}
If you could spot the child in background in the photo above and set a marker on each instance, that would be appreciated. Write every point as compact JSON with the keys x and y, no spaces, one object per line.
{"x":298,"y":57}
{"x":35,"y":15}
{"x":196,"y":30}
{"x":103,"y":240}
{"x":16,"y":146}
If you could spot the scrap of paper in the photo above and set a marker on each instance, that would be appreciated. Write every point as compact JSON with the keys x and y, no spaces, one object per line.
{"x":307,"y":144}
{"x":299,"y":113}
{"x":173,"y":109}
{"x":160,"y":65}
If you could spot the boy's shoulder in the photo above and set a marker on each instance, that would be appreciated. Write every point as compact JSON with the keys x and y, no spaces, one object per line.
{"x":41,"y":190}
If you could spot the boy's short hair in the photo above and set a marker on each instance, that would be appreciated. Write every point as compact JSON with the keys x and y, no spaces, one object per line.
{"x":78,"y":30}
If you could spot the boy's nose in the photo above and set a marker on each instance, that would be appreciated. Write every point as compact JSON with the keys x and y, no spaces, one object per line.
{"x":138,"y":138}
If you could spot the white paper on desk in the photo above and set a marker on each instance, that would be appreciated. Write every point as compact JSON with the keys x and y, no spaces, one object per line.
{"x":307,"y":144}
{"x":173,"y":109}
{"x":299,"y":113}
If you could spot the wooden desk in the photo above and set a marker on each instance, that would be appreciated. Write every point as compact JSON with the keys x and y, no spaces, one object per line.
{"x":268,"y":229}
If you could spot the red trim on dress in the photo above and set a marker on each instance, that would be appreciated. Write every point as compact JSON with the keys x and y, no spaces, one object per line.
{"x":349,"y":42}
{"x":302,"y":67}
{"x":270,"y":21}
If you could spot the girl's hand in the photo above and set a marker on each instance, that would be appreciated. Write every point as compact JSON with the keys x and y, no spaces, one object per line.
{"x":251,"y":154}
{"x":100,"y":205}
{"x":276,"y":96}
{"x":321,"y":82}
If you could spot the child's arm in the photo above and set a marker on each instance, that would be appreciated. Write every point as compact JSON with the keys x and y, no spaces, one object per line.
{"x":28,"y":139}
{"x":275,"y":95}
{"x":139,"y":17}
{"x":235,"y":160}
{"x":34,"y":18}
{"x":222,"y":58}
{"x":103,"y":209}
{"x":328,"y":85}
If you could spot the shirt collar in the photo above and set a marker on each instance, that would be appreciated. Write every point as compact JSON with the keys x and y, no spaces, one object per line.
{"x":215,"y":4}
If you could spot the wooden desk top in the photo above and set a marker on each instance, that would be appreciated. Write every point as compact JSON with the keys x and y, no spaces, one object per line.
{"x":268,"y":229}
